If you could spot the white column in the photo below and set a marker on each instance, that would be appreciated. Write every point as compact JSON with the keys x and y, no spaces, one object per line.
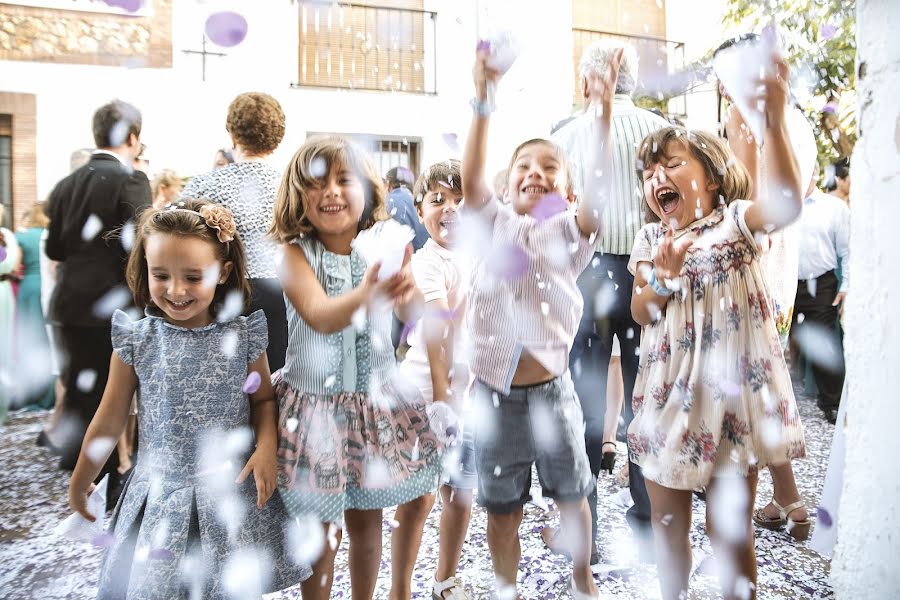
{"x":867,"y":557}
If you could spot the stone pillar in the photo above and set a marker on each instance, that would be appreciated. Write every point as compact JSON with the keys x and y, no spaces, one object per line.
{"x":867,"y":556}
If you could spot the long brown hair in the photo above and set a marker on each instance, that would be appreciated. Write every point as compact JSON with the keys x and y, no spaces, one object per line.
{"x":719,"y":163}
{"x":184,"y":219}
{"x":309,"y":169}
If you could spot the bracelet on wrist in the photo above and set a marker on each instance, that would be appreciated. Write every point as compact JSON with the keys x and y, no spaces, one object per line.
{"x":482,"y":108}
{"x":657,"y":286}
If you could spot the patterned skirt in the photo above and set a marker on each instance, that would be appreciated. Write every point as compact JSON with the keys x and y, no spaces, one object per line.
{"x":347,"y":451}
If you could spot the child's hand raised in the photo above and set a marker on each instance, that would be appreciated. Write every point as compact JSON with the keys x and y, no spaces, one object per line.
{"x":775,"y":91}
{"x":602,"y":88}
{"x":482,"y":74}
{"x":262,"y":465}
{"x":670,"y":256}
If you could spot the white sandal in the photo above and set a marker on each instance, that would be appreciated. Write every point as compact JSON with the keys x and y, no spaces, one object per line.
{"x":449,"y":589}
{"x":578,"y":595}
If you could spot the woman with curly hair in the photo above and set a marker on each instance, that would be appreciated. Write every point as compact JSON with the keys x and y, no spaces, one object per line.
{"x":247,"y":187}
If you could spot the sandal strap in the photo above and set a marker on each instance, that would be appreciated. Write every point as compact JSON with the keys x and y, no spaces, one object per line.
{"x":784,"y":511}
{"x":452,"y":585}
{"x":613,"y":444}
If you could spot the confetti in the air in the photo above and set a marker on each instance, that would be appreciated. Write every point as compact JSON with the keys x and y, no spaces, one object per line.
{"x":251,"y":385}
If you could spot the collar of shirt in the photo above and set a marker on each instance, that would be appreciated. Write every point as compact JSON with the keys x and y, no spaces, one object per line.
{"x":441,"y":251}
{"x":620,"y":101}
{"x":117,"y":156}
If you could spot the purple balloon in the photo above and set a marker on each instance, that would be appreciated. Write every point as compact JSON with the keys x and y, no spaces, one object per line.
{"x":252,"y":383}
{"x":129,"y":5}
{"x":226,"y":28}
{"x":508,"y":262}
{"x":548,"y":206}
{"x":824,"y":517}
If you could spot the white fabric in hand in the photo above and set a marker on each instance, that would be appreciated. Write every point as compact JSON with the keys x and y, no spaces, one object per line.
{"x":384,"y":242}
{"x":443,"y":421}
{"x":80,"y":529}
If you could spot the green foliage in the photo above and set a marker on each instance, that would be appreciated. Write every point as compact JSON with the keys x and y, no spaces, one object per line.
{"x":820,"y":43}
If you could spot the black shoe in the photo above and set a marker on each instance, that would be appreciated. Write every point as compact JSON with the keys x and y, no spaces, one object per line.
{"x":43,"y":441}
{"x":830,"y":415}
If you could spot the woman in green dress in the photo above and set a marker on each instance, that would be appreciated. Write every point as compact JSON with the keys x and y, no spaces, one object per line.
{"x":31,"y":335}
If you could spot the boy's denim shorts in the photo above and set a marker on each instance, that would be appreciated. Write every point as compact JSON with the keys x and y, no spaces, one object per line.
{"x":459,"y":462}
{"x":538,"y":425}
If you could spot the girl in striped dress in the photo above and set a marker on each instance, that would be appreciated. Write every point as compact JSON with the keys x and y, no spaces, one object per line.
{"x":353,"y":439}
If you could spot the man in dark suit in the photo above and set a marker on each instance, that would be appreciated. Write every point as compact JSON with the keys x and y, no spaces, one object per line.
{"x":84,"y":208}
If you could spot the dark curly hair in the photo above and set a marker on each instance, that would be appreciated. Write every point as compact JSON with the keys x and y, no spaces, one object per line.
{"x":256,"y":122}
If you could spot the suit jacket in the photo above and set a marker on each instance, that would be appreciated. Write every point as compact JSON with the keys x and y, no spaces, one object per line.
{"x":102,"y":189}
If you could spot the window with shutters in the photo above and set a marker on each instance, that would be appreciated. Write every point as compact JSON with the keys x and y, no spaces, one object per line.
{"x":387,"y":151}
{"x":6,"y":169}
{"x":388,"y":46}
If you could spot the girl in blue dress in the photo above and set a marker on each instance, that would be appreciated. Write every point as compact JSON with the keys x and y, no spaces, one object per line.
{"x":191,"y":521}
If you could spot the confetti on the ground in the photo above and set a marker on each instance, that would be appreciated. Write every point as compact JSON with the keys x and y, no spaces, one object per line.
{"x":39,"y":564}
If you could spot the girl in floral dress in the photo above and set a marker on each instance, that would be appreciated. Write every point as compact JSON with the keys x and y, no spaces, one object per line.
{"x":354,"y":439}
{"x":713,"y":399}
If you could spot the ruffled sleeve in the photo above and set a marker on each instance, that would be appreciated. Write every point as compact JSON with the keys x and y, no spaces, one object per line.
{"x":643,"y":246}
{"x":122,"y":338}
{"x":738,"y":210}
{"x":257,"y":335}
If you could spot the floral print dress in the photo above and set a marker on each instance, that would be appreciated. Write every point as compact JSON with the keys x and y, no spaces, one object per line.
{"x":713,"y":394}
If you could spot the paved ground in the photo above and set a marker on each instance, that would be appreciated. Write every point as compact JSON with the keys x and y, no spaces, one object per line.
{"x":35,"y":563}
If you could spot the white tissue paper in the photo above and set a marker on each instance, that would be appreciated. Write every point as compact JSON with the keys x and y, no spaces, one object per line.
{"x":384,"y":242}
{"x":80,"y":529}
{"x":504,"y":51}
{"x":739,"y":68}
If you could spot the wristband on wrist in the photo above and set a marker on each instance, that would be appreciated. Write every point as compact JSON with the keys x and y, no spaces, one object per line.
{"x":657,"y":286}
{"x":482,"y":108}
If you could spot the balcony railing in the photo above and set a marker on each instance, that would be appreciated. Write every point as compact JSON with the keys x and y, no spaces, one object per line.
{"x":365,"y":47}
{"x":658,"y":59}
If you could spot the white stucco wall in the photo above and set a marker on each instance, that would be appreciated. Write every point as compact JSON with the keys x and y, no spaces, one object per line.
{"x":867,"y":557}
{"x":698,"y":24}
{"x":184,"y":118}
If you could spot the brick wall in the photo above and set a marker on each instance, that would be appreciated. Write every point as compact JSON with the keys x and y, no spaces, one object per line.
{"x":63,"y":36}
{"x":23,"y":110}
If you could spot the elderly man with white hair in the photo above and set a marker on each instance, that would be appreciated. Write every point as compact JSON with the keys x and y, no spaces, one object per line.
{"x":606,"y":284}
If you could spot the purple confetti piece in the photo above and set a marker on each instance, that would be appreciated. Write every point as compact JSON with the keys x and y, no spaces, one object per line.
{"x":103,"y":540}
{"x":508,"y":261}
{"x":252,"y":383}
{"x":830,"y":108}
{"x":483,"y":45}
{"x":226,"y":28}
{"x":161,"y":554}
{"x":548,"y":206}
{"x":452,"y":141}
{"x":824,"y":517}
{"x":827,"y":31}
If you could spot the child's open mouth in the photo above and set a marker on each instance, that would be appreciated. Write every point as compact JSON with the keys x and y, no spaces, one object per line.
{"x":668,"y":200}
